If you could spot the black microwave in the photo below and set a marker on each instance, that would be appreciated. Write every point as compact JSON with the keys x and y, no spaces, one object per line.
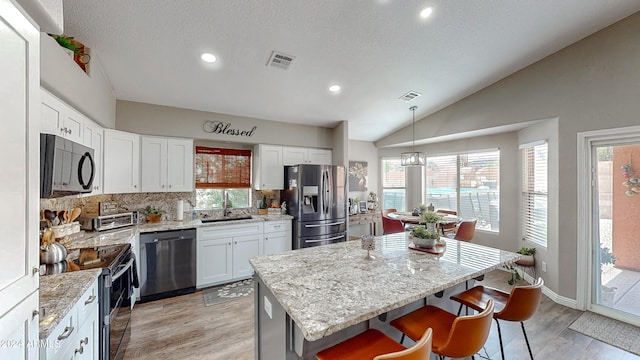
{"x":66,"y":167}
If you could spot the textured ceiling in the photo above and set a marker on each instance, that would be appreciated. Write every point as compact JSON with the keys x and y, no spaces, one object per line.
{"x":377,"y":50}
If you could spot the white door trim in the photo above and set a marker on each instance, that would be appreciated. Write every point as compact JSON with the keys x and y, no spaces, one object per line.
{"x":585,"y":187}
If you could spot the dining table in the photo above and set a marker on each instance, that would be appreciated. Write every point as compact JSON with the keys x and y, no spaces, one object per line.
{"x":408,"y":218}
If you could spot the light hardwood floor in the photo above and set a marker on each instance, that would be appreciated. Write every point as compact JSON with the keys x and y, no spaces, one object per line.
{"x":183,"y":328}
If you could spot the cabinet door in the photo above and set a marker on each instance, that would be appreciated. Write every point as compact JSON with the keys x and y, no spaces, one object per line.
{"x":19,"y":330}
{"x":121,"y":162}
{"x":180,"y":165}
{"x":244,"y":248}
{"x":319,"y":156}
{"x":52,"y":117}
{"x":21,"y":108}
{"x":213,"y":261}
{"x":153,"y":164}
{"x":269,"y":171}
{"x":293,"y":155}
{"x":92,"y":137}
{"x":276,"y":243}
{"x":86,"y":347}
{"x":73,"y":124}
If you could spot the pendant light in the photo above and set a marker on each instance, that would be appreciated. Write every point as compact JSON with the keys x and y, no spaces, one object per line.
{"x":414,"y":157}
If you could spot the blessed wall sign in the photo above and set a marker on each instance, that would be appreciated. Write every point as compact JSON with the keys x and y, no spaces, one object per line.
{"x":224,"y":128}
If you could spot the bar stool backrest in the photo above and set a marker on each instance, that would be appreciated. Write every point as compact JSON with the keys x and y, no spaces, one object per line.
{"x":421,"y":350}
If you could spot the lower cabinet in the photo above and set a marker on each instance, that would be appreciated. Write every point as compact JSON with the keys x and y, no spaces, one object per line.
{"x":19,"y":330}
{"x":76,"y":336}
{"x":223,"y":252}
{"x":277,"y":237}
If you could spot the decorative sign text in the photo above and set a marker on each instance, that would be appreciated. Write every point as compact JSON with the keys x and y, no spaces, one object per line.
{"x":219,"y":127}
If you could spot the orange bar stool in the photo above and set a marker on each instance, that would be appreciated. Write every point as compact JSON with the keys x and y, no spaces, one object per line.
{"x":519,"y":305}
{"x":372,"y":344}
{"x":453,"y":336}
{"x":466,"y":230}
{"x":389,"y":225}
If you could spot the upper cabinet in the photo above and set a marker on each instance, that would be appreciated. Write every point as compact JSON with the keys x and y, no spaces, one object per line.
{"x":299,"y":155}
{"x":93,"y":138}
{"x":58,"y":118}
{"x":121,"y":162}
{"x":268,"y":170}
{"x":166,"y":164}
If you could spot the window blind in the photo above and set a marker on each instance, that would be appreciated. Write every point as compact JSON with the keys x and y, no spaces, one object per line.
{"x":534,"y":193}
{"x":218,"y":168}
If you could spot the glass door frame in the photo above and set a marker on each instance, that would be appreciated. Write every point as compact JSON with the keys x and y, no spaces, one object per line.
{"x":588,"y":267}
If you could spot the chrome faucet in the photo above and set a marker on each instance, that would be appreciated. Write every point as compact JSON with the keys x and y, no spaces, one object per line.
{"x":225,"y":205}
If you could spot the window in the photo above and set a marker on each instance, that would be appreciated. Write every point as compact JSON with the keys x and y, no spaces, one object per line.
{"x":468,"y":183}
{"x":534,"y":192}
{"x":393,"y":184}
{"x":222,"y":171}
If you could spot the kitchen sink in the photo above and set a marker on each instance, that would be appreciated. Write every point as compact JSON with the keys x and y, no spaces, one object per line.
{"x":205,"y":221}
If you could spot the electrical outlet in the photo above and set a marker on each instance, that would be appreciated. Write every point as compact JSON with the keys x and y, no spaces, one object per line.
{"x":544,"y":266}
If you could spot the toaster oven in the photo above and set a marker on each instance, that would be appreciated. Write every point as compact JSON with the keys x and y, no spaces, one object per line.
{"x":108,"y":222}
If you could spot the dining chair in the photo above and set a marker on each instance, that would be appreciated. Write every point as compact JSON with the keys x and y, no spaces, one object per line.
{"x":518,"y":305}
{"x":453,"y":336}
{"x":373,"y":344}
{"x":466,"y":230}
{"x":447,"y":228}
{"x":389,"y":225}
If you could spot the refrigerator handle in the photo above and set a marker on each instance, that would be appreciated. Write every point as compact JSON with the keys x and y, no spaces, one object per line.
{"x":325,"y":190}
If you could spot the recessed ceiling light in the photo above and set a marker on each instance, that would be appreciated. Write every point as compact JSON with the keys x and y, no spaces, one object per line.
{"x":207,"y":57}
{"x":426,"y":12}
{"x":334,"y":88}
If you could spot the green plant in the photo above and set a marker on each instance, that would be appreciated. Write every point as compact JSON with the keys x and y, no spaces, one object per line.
{"x":67,"y":42}
{"x":606,"y":256}
{"x":423,"y":233}
{"x":526,"y":251}
{"x":430,"y":217}
{"x":151,"y":210}
{"x":423,"y":208}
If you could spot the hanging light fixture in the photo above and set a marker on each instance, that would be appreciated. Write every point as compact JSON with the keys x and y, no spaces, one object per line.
{"x":414,"y":157}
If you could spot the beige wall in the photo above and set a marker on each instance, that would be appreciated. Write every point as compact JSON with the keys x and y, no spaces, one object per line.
{"x":152,"y":119}
{"x":592,"y":84}
{"x":90,"y":94}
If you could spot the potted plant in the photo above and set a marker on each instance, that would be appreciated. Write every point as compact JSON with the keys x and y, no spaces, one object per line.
{"x":608,"y":292}
{"x":424,"y":238}
{"x":153,"y":213}
{"x":526,"y":260}
{"x":430,"y":218}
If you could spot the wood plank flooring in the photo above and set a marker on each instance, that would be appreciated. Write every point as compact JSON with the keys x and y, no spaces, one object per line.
{"x":183,"y":328}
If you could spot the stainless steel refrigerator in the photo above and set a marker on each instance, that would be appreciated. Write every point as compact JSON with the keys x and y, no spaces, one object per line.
{"x":316,"y":198}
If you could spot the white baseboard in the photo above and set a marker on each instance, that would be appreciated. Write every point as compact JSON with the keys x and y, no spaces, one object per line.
{"x":565,"y":301}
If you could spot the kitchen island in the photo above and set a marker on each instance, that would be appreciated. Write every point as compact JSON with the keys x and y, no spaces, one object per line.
{"x":312,"y":298}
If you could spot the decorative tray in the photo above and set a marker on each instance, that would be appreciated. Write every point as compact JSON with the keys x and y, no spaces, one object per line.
{"x":437,"y":250}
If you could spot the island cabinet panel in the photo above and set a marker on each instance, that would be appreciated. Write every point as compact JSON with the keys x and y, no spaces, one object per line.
{"x":277,"y":237}
{"x":121,"y":162}
{"x":268,"y":171}
{"x":223,"y":252}
{"x":20,"y":106}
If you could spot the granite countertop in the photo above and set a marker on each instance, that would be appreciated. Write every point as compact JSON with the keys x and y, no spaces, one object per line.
{"x":59,"y":293}
{"x":329,"y":288}
{"x":124,"y":235}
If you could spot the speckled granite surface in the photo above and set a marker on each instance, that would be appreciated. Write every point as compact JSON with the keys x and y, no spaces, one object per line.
{"x":329,"y":288}
{"x":59,"y":293}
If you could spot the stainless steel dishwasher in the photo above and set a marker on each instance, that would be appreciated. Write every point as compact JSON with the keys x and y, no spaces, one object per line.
{"x":167,"y":264}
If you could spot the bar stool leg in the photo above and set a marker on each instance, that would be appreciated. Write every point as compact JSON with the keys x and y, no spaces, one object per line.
{"x":526,"y":339}
{"x":500,"y":338}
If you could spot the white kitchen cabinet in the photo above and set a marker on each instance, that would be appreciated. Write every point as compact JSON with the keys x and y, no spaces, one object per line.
{"x":121,"y":162}
{"x":166,"y":164}
{"x":21,"y":112}
{"x":300,"y":155}
{"x":223,"y":252}
{"x":76,"y":336}
{"x":268,"y":170}
{"x":59,"y":118}
{"x":277,"y":237}
{"x":93,"y":138}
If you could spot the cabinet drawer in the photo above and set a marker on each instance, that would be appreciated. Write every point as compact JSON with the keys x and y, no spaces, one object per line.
{"x":273,"y":226}
{"x":213,"y":232}
{"x":63,"y":337}
{"x":354,"y":220}
{"x":88,"y":301}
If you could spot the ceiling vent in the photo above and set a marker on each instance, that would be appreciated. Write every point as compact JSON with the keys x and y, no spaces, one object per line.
{"x":280,"y":60}
{"x":409,"y":96}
